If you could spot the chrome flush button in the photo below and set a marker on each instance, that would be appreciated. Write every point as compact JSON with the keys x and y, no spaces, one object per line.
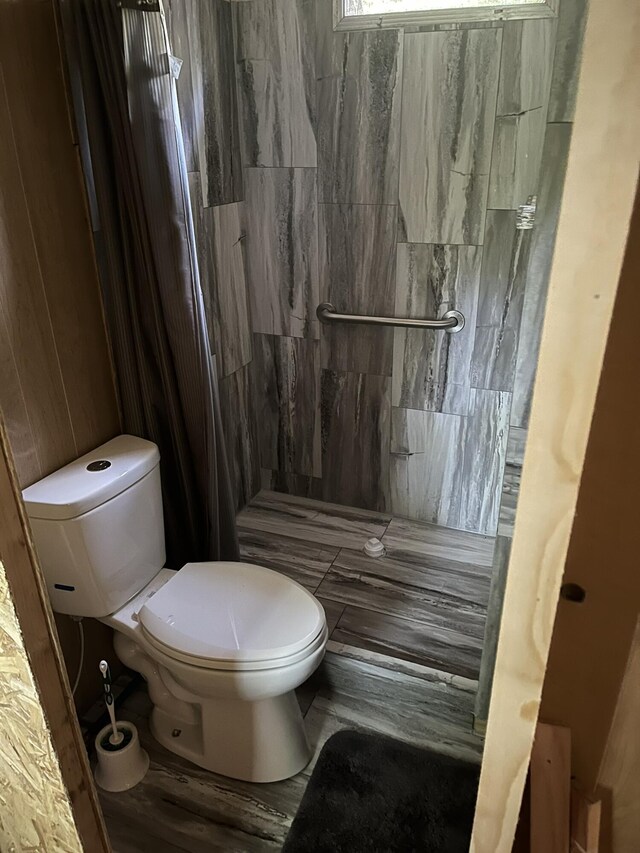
{"x":99,"y":465}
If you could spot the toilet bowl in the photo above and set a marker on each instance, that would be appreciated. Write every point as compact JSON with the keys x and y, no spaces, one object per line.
{"x":222,"y":645}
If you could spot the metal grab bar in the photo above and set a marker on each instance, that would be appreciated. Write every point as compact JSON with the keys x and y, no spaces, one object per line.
{"x":451,"y":321}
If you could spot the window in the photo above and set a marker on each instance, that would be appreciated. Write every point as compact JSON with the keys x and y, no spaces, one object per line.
{"x":369,"y":14}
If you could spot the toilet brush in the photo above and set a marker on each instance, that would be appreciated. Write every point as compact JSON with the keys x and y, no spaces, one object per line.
{"x":117,"y":736}
{"x":122,"y":762}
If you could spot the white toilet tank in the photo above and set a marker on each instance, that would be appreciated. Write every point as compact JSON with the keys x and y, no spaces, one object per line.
{"x":98,"y":526}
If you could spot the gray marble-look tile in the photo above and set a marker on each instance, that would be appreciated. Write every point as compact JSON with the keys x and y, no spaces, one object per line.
{"x":333,"y":610}
{"x":566,"y":69}
{"x":282,"y":251}
{"x":515,"y":162}
{"x":212,"y":62}
{"x":429,"y":644}
{"x":357,"y":275}
{"x":543,"y":238}
{"x":292,"y":484}
{"x":511,"y":480}
{"x":304,"y":562}
{"x":407,"y":585}
{"x":450,"y":82}
{"x":355,"y":438}
{"x":492,"y":627}
{"x":358,"y":89}
{"x":502,"y":287}
{"x":523,"y":98}
{"x":431,"y":368}
{"x":219,"y":235}
{"x":404,"y":536}
{"x":447,"y":469}
{"x":180,"y":807}
{"x":424,"y":475}
{"x":365,"y":690}
{"x":238,"y":423}
{"x":276,"y":76}
{"x":178,"y":13}
{"x":481,"y":461}
{"x":526,"y":65}
{"x":312,"y":521}
{"x":287,"y":403}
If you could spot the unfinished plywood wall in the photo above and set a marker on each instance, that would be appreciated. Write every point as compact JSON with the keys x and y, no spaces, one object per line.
{"x":35,"y":812}
{"x":57,"y":395}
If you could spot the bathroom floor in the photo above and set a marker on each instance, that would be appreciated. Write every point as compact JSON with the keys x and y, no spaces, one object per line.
{"x":424,"y":601}
{"x":402,"y":659}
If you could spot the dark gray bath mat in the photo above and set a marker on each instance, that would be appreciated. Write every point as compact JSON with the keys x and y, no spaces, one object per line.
{"x":372,"y":794}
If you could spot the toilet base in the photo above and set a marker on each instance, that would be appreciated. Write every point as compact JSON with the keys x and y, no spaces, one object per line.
{"x":263,"y":741}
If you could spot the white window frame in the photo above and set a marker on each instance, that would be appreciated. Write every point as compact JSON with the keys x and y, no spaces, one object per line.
{"x":395,"y":20}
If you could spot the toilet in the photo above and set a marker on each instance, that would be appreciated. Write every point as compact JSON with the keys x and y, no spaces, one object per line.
{"x":222,"y":645}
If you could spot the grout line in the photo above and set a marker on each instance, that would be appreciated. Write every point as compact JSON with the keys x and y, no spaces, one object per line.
{"x":337,"y":625}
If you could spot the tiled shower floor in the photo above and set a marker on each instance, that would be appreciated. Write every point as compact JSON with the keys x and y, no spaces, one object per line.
{"x":424,"y":601}
{"x":402,"y":658}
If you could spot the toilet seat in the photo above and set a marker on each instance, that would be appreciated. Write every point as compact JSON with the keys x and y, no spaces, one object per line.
{"x":238,"y":616}
{"x":225,"y":665}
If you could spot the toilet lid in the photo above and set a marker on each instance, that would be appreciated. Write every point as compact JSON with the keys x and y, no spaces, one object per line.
{"x":232,"y":612}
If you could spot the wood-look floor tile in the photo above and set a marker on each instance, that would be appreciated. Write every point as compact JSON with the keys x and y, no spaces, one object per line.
{"x":415,"y":537}
{"x":187,"y":808}
{"x":180,"y":807}
{"x":377,"y":693}
{"x":311,"y":521}
{"x":333,"y":611}
{"x":304,"y":562}
{"x":429,"y":643}
{"x":408,"y":588}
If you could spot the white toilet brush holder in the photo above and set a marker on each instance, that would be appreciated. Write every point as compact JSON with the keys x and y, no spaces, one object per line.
{"x":122,"y":765}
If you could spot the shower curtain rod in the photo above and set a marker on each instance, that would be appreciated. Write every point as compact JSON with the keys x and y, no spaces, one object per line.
{"x":451,"y":321}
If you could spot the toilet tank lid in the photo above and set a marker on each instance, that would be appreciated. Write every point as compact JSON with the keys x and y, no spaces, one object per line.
{"x":91,"y":480}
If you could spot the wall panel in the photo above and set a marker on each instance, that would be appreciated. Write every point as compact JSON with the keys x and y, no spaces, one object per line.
{"x":57,"y":394}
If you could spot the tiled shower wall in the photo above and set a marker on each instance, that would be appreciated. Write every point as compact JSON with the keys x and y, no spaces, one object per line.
{"x":556,"y":146}
{"x":201,"y":34}
{"x":383,"y":171}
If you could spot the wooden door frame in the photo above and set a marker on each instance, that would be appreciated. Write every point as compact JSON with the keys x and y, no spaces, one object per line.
{"x":597,"y":205}
{"x":594,"y":221}
{"x":31,"y":601}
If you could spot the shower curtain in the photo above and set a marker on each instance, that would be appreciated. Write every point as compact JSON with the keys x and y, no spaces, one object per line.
{"x":122,"y":78}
